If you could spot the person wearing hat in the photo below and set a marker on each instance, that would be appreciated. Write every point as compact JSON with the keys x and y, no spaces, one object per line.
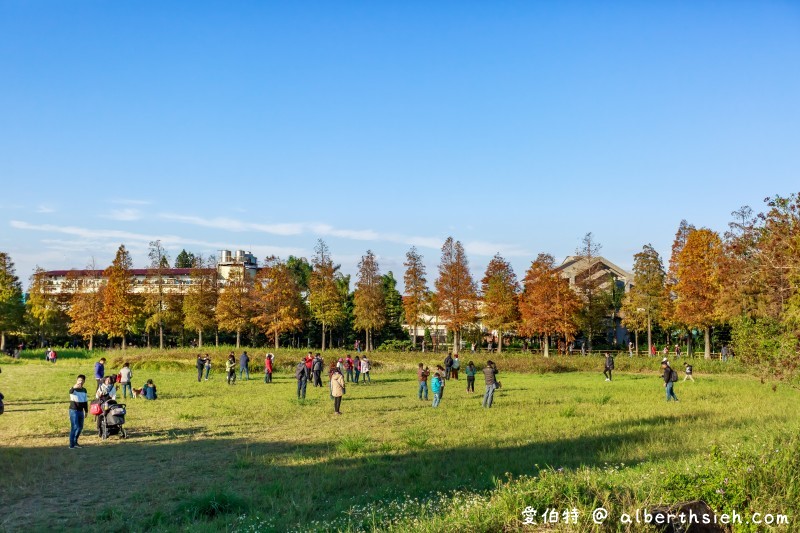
{"x":670,"y":377}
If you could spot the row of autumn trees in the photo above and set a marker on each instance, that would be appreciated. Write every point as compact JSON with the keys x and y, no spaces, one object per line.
{"x":745,"y":281}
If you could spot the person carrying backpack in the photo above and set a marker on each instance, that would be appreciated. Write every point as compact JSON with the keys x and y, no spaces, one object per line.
{"x":448,"y":366}
{"x":609,"y":366}
{"x":670,"y":377}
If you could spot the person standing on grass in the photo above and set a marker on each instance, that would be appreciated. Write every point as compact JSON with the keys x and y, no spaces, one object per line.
{"x":302,"y":379}
{"x":470,"y":371}
{"x":230,"y":368}
{"x":317,"y":369}
{"x":337,"y":389}
{"x":677,"y":350}
{"x":268,"y":368}
{"x":441,"y":372}
{"x":609,"y":366}
{"x":309,"y":362}
{"x":244,"y":366}
{"x":437,"y":387}
{"x":688,"y":369}
{"x":99,"y":371}
{"x":422,"y":377}
{"x":630,"y":348}
{"x":448,"y":366}
{"x":357,"y":368}
{"x":207,"y":365}
{"x":201,"y":366}
{"x":365,"y":366}
{"x":125,"y":376}
{"x":670,"y":377}
{"x":78,"y":409}
{"x":455,"y":367}
{"x":490,"y":376}
{"x":348,"y":364}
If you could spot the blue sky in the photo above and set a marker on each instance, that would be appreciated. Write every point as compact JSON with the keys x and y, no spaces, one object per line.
{"x":515,"y":127}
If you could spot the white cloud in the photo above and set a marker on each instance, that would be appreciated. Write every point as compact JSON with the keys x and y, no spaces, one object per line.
{"x":45,"y":209}
{"x":130,"y":201}
{"x":126,"y":215}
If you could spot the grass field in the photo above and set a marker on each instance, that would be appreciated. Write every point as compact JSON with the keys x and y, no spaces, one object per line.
{"x":251,"y":457}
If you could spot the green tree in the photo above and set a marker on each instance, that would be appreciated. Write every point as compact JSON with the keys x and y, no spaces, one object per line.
{"x":645,"y":301}
{"x":394,"y":310}
{"x":325,"y":299}
{"x":369,"y":298}
{"x":500,"y":298}
{"x":12,"y":308}
{"x":155,"y":304}
{"x":589,"y":285}
{"x":183,"y":260}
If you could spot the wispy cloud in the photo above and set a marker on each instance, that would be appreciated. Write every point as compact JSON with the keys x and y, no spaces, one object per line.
{"x":129,"y":201}
{"x":93,"y":237}
{"x":45,"y":209}
{"x":127,"y":214}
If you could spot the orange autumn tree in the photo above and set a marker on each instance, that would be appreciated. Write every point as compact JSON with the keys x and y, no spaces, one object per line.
{"x":277,"y":303}
{"x":120,"y":304}
{"x":233,"y":304}
{"x":415,"y":299}
{"x":697,"y":289}
{"x":456,"y":291}
{"x":500,"y":298}
{"x":547,"y":305}
{"x":86,"y":302}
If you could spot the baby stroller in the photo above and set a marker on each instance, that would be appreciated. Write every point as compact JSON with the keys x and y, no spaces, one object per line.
{"x":112,"y":419}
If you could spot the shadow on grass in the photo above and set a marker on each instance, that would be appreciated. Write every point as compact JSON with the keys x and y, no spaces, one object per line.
{"x":293,"y":482}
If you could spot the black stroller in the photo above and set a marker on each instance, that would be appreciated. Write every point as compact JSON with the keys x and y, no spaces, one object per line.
{"x":112,"y":420}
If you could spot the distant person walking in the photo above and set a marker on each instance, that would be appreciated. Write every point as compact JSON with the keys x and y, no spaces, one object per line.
{"x":302,"y":379}
{"x":670,"y":377}
{"x":125,"y":377}
{"x":357,"y":368}
{"x":653,"y":352}
{"x":268,"y":368}
{"x":470,"y":371}
{"x":687,"y":368}
{"x":337,"y":390}
{"x":244,"y":366}
{"x":99,"y":371}
{"x":630,"y":348}
{"x":609,"y":366}
{"x":436,"y":388}
{"x":207,"y":365}
{"x":422,"y":377}
{"x":724,"y":352}
{"x":490,"y":376}
{"x":448,"y":366}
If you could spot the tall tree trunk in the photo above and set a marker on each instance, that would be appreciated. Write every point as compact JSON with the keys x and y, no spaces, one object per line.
{"x":708,"y":343}
{"x":414,"y":337}
{"x":499,"y":341}
{"x":546,"y":345}
{"x":123,"y":341}
{"x":199,"y":338}
{"x":2,"y":340}
{"x":323,"y":336}
{"x":649,"y":336}
{"x":148,"y":338}
{"x":636,"y":341}
{"x":276,"y":340}
{"x":238,"y":338}
{"x":216,"y":338}
{"x":91,"y":342}
{"x":160,"y":337}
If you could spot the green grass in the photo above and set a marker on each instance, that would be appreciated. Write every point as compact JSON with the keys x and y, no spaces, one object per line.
{"x":208,"y":456}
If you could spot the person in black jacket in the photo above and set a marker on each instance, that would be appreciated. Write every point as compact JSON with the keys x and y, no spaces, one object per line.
{"x":201,"y":365}
{"x":316,"y":368}
{"x":670,"y":377}
{"x":609,"y":366}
